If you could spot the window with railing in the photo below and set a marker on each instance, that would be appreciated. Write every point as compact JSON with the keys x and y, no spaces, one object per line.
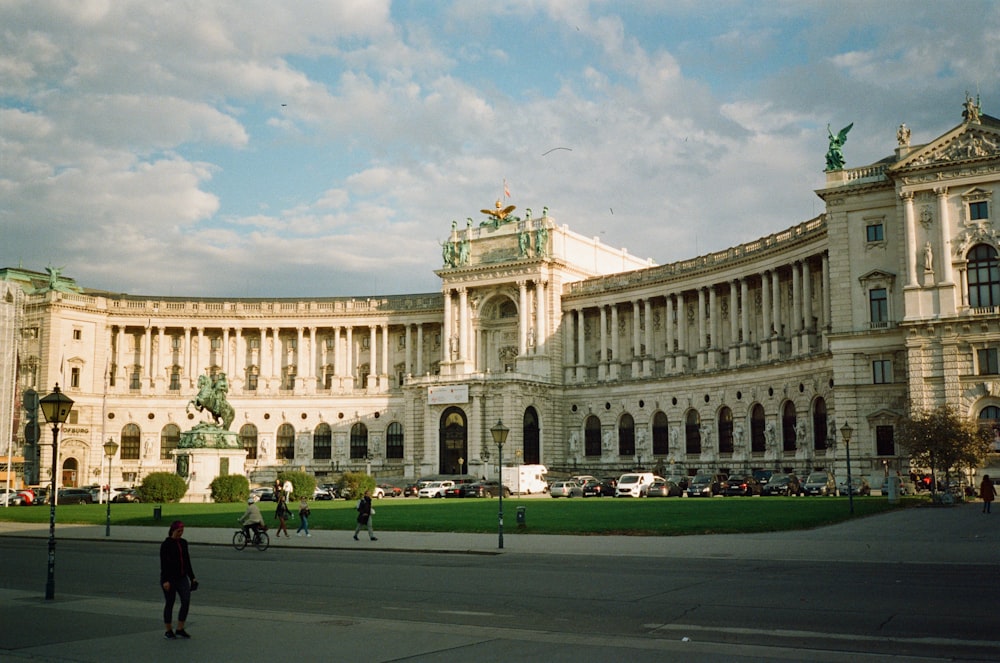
{"x":284,"y":447}
{"x":983,"y":271}
{"x":248,"y":438}
{"x":322,"y":442}
{"x":170,"y":437}
{"x":359,"y":441}
{"x":394,"y":440}
{"x":878,"y":307}
{"x":130,"y":440}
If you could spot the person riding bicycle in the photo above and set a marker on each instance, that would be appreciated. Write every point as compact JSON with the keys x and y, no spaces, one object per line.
{"x":252,"y":518}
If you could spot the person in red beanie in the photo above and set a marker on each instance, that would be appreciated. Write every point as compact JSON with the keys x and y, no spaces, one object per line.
{"x":176,"y":578}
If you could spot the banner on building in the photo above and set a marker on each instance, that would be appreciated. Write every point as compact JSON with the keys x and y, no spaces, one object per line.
{"x":458,"y":393}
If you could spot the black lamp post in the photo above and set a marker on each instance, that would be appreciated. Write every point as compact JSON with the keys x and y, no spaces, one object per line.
{"x":110,"y":448}
{"x":846,"y":431}
{"x":499,"y":433}
{"x":55,"y":408}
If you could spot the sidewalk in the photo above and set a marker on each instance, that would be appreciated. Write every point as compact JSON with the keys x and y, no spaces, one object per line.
{"x":959,"y":534}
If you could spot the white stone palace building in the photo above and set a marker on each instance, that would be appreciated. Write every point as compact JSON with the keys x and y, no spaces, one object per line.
{"x":598,"y":361}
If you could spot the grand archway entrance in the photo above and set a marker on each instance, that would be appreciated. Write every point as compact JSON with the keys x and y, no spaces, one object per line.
{"x":453,"y":439}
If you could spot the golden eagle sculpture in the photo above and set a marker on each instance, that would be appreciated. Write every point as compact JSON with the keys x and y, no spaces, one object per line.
{"x":499,"y":214}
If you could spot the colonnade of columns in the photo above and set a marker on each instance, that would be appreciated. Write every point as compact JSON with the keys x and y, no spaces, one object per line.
{"x":281,"y":358}
{"x":776,"y":313}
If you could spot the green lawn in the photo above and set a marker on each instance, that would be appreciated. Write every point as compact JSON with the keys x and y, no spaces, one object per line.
{"x":644,"y":517}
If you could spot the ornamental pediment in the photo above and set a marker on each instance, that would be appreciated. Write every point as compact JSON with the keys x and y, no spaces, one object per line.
{"x":967,"y":142}
{"x":877,"y":278}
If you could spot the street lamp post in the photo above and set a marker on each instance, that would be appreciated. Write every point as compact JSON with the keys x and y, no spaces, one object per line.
{"x":55,"y":407}
{"x":846,"y":431}
{"x":110,"y":448}
{"x":499,"y":433}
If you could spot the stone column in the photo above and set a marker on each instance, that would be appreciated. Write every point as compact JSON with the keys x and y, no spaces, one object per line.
{"x":447,"y":331}
{"x":522,"y":318}
{"x":734,"y":323}
{"x":463,"y":324}
{"x":702,"y":330}
{"x":911,"y":239}
{"x":372,"y":356}
{"x":766,"y":310}
{"x":636,"y":341}
{"x":745,"y":320}
{"x":616,"y":350}
{"x":796,"y":329}
{"x":715,"y":328}
{"x":276,"y":356}
{"x":408,"y":359}
{"x":649,"y":356}
{"x":420,"y":349}
{"x":776,"y":314}
{"x":196,"y":356}
{"x":147,"y":356}
{"x":680,"y":359}
{"x":540,"y":307}
{"x":349,"y":357}
{"x":602,"y":367}
{"x":807,"y":309}
{"x":581,"y":341}
{"x":945,"y":227}
{"x":386,"y":364}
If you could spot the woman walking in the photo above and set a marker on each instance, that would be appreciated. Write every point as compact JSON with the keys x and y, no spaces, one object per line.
{"x":303,"y":518}
{"x":176,"y":579}
{"x":282,"y":513}
{"x":987,"y":493}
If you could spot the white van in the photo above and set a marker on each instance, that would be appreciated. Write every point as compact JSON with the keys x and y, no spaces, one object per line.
{"x":634,"y":484}
{"x":525,"y":479}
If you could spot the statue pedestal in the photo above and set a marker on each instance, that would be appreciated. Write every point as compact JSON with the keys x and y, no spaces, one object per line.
{"x":205,"y":452}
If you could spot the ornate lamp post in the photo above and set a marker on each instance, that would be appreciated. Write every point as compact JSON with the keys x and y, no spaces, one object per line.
{"x":499,"y":433}
{"x":55,"y":407}
{"x":846,"y":431}
{"x":110,"y":449}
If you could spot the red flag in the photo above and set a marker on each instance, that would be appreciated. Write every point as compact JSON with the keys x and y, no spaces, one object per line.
{"x":506,"y":191}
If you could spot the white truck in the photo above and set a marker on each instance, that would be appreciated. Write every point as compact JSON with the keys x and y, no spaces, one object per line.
{"x":525,"y":479}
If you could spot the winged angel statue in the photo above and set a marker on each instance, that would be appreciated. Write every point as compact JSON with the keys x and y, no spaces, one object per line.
{"x":834,"y":155}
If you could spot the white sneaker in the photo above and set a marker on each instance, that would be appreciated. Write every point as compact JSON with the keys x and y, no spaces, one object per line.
{"x":309,"y":535}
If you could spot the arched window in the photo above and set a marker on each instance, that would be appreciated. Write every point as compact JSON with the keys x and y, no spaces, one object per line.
{"x":692,"y":432}
{"x":248,"y":437}
{"x":661,"y":435}
{"x":131,"y":437}
{"x":819,"y":425}
{"x":984,"y":276}
{"x":532,"y":437}
{"x":322,"y":442}
{"x":788,"y":427}
{"x":359,"y":441}
{"x":626,"y":435}
{"x":989,"y":417}
{"x":758,"y":425}
{"x":592,"y":436}
{"x":394,"y":440}
{"x":725,"y":431}
{"x":284,"y":447}
{"x":170,"y":436}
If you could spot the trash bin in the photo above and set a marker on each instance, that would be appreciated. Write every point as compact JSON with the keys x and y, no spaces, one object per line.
{"x":157,"y":513}
{"x":520,"y":516}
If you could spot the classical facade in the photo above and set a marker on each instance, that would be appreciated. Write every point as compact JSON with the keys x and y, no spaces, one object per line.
{"x":751,"y":357}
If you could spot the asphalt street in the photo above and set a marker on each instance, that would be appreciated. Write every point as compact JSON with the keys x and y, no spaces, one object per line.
{"x":425,"y":596}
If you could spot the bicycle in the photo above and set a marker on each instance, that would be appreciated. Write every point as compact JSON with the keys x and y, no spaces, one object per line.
{"x":260,"y":539}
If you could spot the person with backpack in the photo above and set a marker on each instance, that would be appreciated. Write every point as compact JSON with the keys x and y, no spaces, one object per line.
{"x":303,"y":518}
{"x":365,"y":513}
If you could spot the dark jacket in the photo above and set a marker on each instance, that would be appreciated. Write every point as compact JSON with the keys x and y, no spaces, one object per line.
{"x":364,"y":509}
{"x":175,"y":563}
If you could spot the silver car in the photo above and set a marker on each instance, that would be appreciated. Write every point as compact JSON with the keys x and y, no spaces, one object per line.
{"x":566,"y":489}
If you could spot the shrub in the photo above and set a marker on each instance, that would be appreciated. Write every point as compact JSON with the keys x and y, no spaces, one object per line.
{"x":162,"y":487}
{"x":354,"y":484}
{"x":230,"y":488}
{"x":303,"y":483}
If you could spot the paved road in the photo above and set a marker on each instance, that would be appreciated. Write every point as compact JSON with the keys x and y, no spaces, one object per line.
{"x":867,"y":558}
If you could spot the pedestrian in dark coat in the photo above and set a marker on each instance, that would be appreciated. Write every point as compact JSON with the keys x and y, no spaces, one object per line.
{"x":365,"y":513}
{"x":987,"y":493}
{"x":176,"y":579}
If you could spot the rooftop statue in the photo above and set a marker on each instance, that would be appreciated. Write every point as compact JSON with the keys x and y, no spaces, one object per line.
{"x":834,"y":155}
{"x":212,"y":397}
{"x":972,"y":109}
{"x":497,"y":216}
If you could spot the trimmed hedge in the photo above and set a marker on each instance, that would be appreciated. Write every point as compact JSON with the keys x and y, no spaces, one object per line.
{"x":303,"y":483}
{"x":162,"y":487}
{"x":354,"y":484}
{"x":230,"y":488}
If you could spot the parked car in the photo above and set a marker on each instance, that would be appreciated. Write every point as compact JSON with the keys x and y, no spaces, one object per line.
{"x":664,"y":488}
{"x":126,"y":495}
{"x":411,"y":490}
{"x":762,"y":476}
{"x":435,"y":489}
{"x":378,"y":492}
{"x":565,"y":489}
{"x":782,"y":484}
{"x":455,"y":490}
{"x":390,"y":490}
{"x":820,"y":483}
{"x":76,"y":496}
{"x":634,"y":484}
{"x":592,"y":488}
{"x":263,"y":494}
{"x":583,"y":478}
{"x":859,"y":486}
{"x":681,"y":480}
{"x":741,"y":485}
{"x":486,"y":488}
{"x":608,"y":486}
{"x":9,"y":497}
{"x":325,"y":492}
{"x":706,"y":485}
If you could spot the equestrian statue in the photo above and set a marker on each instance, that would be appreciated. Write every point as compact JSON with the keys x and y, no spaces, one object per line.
{"x":212,"y":397}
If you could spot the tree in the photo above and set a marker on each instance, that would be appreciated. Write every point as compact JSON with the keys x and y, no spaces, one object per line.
{"x":943,"y":439}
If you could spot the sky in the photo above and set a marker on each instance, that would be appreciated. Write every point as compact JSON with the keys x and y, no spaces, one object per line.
{"x":253,"y":148}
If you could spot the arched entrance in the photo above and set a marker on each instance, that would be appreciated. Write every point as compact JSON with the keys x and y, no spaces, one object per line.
{"x":70,"y":473}
{"x":532,"y":446}
{"x":453,"y":439}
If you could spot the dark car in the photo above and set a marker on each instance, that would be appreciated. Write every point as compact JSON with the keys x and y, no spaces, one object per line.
{"x":411,"y":490}
{"x":76,"y":496}
{"x":741,"y":485}
{"x":706,"y":485}
{"x":762,"y":476}
{"x":593,"y":488}
{"x":820,"y":483}
{"x":664,"y":488}
{"x":390,"y":490}
{"x":487,"y":488}
{"x":126,"y":495}
{"x":608,"y":486}
{"x":860,"y":486}
{"x":782,"y":484}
